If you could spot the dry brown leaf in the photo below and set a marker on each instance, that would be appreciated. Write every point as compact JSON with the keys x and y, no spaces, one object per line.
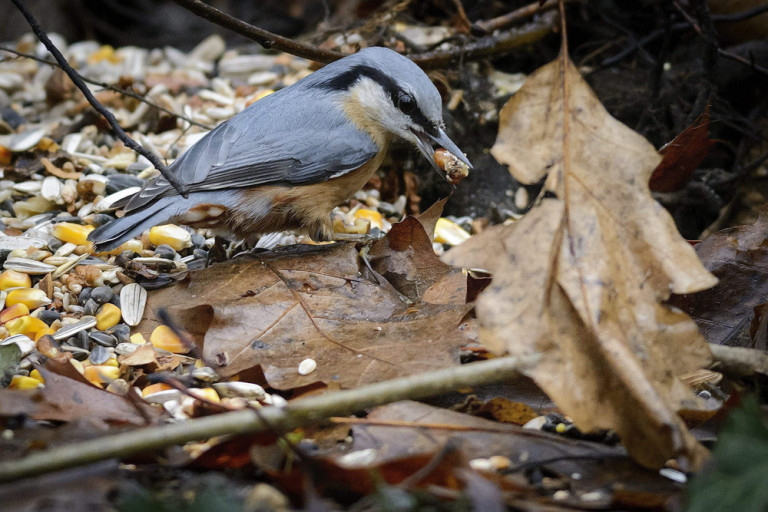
{"x":507,"y":411}
{"x":406,"y":259}
{"x":584,"y":273}
{"x":682,"y":156}
{"x":68,"y":399}
{"x":739,"y":258}
{"x":277,"y":309}
{"x":599,"y":466}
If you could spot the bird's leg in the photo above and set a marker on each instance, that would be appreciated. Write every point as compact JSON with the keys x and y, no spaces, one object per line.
{"x":323,"y":230}
{"x":364,"y":257}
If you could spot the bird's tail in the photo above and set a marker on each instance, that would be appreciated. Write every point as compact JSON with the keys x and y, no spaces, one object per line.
{"x":113,"y":234}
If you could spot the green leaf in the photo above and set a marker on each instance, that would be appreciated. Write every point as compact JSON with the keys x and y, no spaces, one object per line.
{"x":10,"y":355}
{"x":735,"y":478}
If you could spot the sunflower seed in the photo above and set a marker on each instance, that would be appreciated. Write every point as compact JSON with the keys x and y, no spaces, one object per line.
{"x":133,"y":299}
{"x":28,"y":266}
{"x":25,"y":140}
{"x":70,"y":330}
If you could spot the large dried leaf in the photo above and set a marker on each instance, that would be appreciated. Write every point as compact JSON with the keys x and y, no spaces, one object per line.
{"x":583,"y":275}
{"x":276,"y":309}
{"x":739,"y":258}
{"x":68,"y":399}
{"x":599,"y":466}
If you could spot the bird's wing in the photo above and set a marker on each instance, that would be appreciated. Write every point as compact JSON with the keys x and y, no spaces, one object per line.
{"x":273,"y":143}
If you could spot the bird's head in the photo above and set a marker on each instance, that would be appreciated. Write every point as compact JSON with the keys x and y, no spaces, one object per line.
{"x":386,"y":94}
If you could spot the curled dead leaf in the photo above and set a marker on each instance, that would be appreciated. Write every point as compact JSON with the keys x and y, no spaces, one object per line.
{"x":582,"y":276}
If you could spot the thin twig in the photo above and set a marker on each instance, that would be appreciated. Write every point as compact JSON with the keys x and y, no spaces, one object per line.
{"x":116,"y":129}
{"x":299,"y":413}
{"x":264,"y":38}
{"x":465,"y":23}
{"x":104,"y":85}
{"x":490,"y":45}
{"x":740,"y":16}
{"x":484,"y":47}
{"x":709,"y":59}
{"x":720,"y":51}
{"x":738,"y":362}
{"x":488,"y":26}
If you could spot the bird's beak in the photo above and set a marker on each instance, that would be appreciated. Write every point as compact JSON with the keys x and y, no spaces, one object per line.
{"x":424,"y":142}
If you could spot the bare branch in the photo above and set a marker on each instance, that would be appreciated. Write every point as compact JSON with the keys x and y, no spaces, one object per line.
{"x":488,"y":26}
{"x":488,"y":46}
{"x":484,"y":47}
{"x":303,"y":412}
{"x":264,"y":38}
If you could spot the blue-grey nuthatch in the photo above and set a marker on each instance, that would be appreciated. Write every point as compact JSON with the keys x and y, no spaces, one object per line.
{"x":287,"y":160}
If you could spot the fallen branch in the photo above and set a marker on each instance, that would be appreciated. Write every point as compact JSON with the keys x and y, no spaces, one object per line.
{"x":265,"y":38}
{"x":101,"y":109}
{"x":740,"y":362}
{"x":299,"y":413}
{"x":483,"y":47}
{"x":104,"y":85}
{"x":490,"y":45}
{"x":488,"y":26}
{"x":723,"y":53}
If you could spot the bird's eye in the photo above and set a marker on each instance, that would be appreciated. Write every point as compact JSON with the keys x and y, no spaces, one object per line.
{"x":406,"y":103}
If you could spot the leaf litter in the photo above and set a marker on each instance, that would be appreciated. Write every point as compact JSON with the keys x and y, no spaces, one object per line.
{"x":581,"y":279}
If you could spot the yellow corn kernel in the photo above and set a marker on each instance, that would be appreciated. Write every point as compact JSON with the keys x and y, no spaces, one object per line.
{"x":24,"y":382}
{"x":13,"y":279}
{"x":137,"y":339}
{"x":27,"y":325}
{"x":209,"y":394}
{"x":111,"y":362}
{"x":35,"y":374}
{"x":108,"y":316}
{"x":371,"y":215}
{"x":360,"y":227}
{"x":100,"y":374}
{"x":43,"y":332}
{"x":15,"y":311}
{"x":258,"y":96}
{"x":131,"y":245}
{"x":105,"y":52}
{"x":155,"y":388}
{"x":78,"y":366}
{"x":448,"y":232}
{"x":73,"y":233}
{"x":33,"y":298}
{"x":164,"y":338}
{"x":170,"y":234}
{"x":560,"y":428}
{"x":5,"y":156}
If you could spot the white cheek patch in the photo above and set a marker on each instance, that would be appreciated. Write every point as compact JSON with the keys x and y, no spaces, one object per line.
{"x":378,"y":105}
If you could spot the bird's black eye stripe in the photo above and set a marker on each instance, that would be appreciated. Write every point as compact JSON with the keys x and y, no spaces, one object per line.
{"x":400,"y":98}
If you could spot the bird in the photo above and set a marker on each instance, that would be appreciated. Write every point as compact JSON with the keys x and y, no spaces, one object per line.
{"x":288,"y":159}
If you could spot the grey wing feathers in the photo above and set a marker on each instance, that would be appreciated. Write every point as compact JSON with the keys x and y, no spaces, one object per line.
{"x":270,"y":143}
